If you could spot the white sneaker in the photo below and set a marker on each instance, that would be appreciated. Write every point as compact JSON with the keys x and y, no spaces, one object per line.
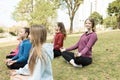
{"x":78,"y":65}
{"x":74,"y":64}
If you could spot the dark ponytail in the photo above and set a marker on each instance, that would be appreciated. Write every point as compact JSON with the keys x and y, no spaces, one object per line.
{"x":27,"y":30}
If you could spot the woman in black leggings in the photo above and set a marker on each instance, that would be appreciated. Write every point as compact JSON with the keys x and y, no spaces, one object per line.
{"x":84,"y":55}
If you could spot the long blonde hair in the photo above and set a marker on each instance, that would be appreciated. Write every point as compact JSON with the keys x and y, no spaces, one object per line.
{"x":38,"y":36}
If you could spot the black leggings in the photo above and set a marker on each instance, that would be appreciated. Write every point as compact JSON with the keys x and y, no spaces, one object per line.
{"x":84,"y":61}
{"x":57,"y":53}
{"x":16,"y":65}
{"x":9,"y":56}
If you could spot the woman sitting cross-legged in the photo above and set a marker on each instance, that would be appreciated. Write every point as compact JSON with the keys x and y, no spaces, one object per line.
{"x":84,"y":55}
{"x":39,"y":65}
{"x":20,"y":60}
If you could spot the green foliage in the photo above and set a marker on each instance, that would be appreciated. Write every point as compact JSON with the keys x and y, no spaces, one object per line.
{"x":35,"y":11}
{"x":12,"y":33}
{"x":114,"y":9}
{"x":1,"y":30}
{"x":23,"y":10}
{"x":97,"y":17}
{"x":110,"y":22}
{"x":42,"y":12}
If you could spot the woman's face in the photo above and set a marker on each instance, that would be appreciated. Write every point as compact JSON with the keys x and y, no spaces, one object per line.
{"x":57,"y":28}
{"x":88,"y":24}
{"x":22,"y":33}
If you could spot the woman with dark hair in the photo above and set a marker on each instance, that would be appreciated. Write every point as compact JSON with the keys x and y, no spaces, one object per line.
{"x":20,"y":60}
{"x":60,"y":35}
{"x":84,"y":55}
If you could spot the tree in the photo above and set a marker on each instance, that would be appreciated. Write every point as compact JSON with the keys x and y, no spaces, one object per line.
{"x":97,"y":17}
{"x":35,"y":11}
{"x":114,"y":9}
{"x":110,"y":22}
{"x":43,"y":10}
{"x":72,"y":6}
{"x":23,"y":11}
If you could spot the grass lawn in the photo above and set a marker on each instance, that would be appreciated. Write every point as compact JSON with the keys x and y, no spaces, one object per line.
{"x":106,"y":60}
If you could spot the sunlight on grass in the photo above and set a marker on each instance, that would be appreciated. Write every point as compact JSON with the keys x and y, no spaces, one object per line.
{"x":4,"y":72}
{"x":106,"y":60}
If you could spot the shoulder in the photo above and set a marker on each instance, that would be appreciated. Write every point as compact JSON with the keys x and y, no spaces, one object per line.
{"x":27,"y":43}
{"x":47,"y":45}
{"x":60,"y":34}
{"x":93,"y":34}
{"x":48,"y":49}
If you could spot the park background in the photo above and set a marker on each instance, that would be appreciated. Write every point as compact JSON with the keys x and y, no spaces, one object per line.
{"x":15,"y":14}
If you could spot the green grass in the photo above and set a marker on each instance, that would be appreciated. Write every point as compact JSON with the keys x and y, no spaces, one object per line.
{"x":106,"y":60}
{"x":105,"y":66}
{"x":4,"y":72}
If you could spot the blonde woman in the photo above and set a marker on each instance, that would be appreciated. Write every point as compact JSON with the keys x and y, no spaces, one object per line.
{"x":39,"y":63}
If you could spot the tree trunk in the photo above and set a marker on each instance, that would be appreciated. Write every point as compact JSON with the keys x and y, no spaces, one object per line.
{"x":118,"y":22}
{"x":71,"y":25}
